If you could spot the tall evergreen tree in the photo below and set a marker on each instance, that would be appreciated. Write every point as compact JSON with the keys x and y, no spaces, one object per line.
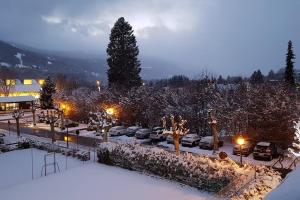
{"x":271,"y":75}
{"x":122,"y":51}
{"x":257,"y":77}
{"x":48,"y":89}
{"x":289,"y":69}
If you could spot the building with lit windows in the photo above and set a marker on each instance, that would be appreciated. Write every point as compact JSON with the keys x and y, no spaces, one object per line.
{"x":19,"y":94}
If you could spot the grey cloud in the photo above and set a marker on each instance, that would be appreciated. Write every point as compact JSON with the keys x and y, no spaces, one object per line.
{"x":224,"y":37}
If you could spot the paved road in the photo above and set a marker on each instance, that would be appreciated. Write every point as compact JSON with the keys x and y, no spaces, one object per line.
{"x":87,"y":141}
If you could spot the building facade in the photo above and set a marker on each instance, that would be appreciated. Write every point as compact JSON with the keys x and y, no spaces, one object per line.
{"x":19,"y":94}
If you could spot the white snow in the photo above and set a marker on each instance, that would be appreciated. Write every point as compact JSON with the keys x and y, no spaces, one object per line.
{"x":264,"y":144}
{"x":97,"y":181}
{"x":15,"y":167}
{"x":49,"y":63}
{"x":5,"y":64}
{"x":288,"y":189}
{"x":19,"y":56}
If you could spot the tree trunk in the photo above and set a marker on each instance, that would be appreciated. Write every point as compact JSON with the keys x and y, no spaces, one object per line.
{"x":52,"y":131}
{"x":18,"y":126}
{"x":62,"y":124}
{"x":215,"y":135}
{"x":33,"y":117}
{"x":176,"y":142}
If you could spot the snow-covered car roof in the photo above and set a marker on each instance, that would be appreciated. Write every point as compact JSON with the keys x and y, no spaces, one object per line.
{"x":144,"y":130}
{"x":265,"y":144}
{"x":191,"y":136}
{"x":117,"y":127}
{"x":207,"y":139}
{"x":133,"y":127}
{"x":157,"y":128}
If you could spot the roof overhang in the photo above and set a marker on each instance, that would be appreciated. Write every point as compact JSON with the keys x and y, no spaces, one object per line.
{"x":17,"y":99}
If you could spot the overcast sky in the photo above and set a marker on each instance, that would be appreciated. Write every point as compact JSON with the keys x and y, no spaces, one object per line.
{"x":223,"y":36}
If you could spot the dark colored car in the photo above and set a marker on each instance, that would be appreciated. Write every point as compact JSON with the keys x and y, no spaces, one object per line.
{"x":266,"y":150}
{"x":143,"y":133}
{"x":131,"y":130}
{"x":245,"y":149}
{"x":170,"y":138}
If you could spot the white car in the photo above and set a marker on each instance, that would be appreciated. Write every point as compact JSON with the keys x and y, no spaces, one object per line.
{"x":207,"y":142}
{"x":117,"y":131}
{"x":190,"y":140}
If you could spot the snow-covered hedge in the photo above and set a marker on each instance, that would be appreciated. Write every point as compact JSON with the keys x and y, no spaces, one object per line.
{"x":266,"y":180}
{"x":197,"y":171}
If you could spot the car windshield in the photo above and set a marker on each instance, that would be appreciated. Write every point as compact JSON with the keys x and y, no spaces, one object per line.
{"x":119,"y":128}
{"x":261,"y":147}
{"x":191,"y":136}
{"x":206,"y":139}
{"x":133,"y":128}
{"x":157,"y":128}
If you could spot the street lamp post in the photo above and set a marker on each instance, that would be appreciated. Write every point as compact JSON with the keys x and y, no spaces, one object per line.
{"x":240,"y":142}
{"x":109,"y":112}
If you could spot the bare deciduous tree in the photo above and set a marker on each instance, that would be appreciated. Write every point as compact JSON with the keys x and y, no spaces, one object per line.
{"x":17,"y":115}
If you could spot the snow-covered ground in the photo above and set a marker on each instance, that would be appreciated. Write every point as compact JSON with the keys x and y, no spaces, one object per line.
{"x":16,"y":166}
{"x":57,"y":129}
{"x":4,"y":117}
{"x":288,"y":189}
{"x":82,"y":181}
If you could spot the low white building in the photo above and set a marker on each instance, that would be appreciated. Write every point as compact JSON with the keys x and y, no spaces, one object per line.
{"x":19,"y":94}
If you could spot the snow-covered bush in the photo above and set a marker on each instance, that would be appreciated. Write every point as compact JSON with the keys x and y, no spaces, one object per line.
{"x":266,"y":180}
{"x":197,"y":171}
{"x":295,"y":150}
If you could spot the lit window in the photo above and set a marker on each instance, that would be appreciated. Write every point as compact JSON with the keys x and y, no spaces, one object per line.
{"x":27,"y":81}
{"x":10,"y":82}
{"x":41,"y":81}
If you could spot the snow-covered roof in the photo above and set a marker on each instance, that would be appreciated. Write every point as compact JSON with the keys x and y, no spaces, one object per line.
{"x":265,"y":144}
{"x":16,"y":99}
{"x":20,"y":87}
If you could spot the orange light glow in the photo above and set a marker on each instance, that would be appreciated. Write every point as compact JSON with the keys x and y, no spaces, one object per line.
{"x":41,"y":81}
{"x":110,"y":111}
{"x":240,"y":140}
{"x":67,"y":138}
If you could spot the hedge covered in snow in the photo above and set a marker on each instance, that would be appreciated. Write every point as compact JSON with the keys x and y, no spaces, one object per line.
{"x":266,"y":180}
{"x":197,"y":171}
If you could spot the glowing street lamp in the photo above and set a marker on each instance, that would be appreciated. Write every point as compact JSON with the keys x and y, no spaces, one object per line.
{"x":98,"y":83}
{"x":240,"y":141}
{"x":110,"y":111}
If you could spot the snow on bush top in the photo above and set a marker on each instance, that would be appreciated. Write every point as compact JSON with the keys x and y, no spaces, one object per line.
{"x":198,"y":171}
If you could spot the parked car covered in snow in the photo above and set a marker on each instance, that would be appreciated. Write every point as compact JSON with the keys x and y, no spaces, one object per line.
{"x":170,"y":138}
{"x":207,"y":142}
{"x":245,"y":149}
{"x":190,"y":140}
{"x":265,"y":150}
{"x":157,"y":134}
{"x":117,"y":131}
{"x":143,"y":133}
{"x":131,"y":130}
